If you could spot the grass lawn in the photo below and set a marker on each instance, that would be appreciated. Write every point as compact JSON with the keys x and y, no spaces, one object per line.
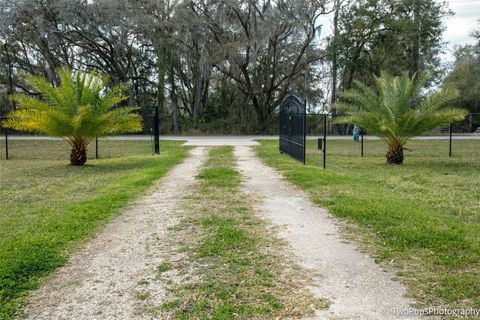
{"x":47,"y":207}
{"x":422,"y":217}
{"x":235,"y":266}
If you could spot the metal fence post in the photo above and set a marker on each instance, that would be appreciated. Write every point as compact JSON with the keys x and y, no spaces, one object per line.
{"x":6,"y":143}
{"x":96,"y":147}
{"x":156,"y":131}
{"x":305,"y":131}
{"x":450,"y":129}
{"x":361,"y":142}
{"x":324,"y":141}
{"x":151,"y":141}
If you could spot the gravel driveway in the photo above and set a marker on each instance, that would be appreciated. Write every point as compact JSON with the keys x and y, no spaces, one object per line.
{"x":104,"y":279}
{"x":356,"y":286}
{"x":107,"y":277}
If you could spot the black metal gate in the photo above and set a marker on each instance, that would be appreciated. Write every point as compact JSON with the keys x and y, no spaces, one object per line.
{"x":293,"y":115}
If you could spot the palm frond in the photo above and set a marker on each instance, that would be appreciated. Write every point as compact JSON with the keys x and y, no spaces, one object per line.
{"x":80,"y":108}
{"x":46,"y":89}
{"x":112,"y":98}
{"x":48,"y":122}
{"x":438,"y":99}
{"x":121,"y":121}
{"x":396,"y":109}
{"x":27,"y":102}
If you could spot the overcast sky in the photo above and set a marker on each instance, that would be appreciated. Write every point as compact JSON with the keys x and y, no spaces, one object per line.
{"x":459,"y":26}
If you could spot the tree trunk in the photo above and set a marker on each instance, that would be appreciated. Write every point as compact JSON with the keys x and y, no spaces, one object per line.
{"x":200,"y":92}
{"x":197,"y":96}
{"x":201,"y":81}
{"x":78,"y":155}
{"x":395,"y":153}
{"x":174,"y":98}
{"x":261,"y":112}
{"x":415,"y":66}
{"x":10,"y":102}
{"x":333,"y":98}
{"x":161,"y":68}
{"x":334,"y":56}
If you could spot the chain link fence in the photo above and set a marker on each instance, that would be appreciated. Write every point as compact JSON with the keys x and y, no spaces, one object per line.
{"x":457,"y":140}
{"x":15,"y":145}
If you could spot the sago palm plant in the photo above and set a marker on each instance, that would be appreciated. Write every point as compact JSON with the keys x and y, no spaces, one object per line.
{"x":396,"y":109}
{"x":79,"y":109}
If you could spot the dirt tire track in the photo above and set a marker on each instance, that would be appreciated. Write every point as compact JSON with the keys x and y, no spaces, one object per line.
{"x":101,"y":280}
{"x":356,"y":286}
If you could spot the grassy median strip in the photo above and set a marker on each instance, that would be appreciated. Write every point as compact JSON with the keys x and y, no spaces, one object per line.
{"x":47,"y":207}
{"x":233,"y":266}
{"x":423,"y":217}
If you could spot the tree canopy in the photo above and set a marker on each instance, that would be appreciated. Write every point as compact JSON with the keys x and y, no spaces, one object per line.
{"x":465,"y":76}
{"x":218,"y":65}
